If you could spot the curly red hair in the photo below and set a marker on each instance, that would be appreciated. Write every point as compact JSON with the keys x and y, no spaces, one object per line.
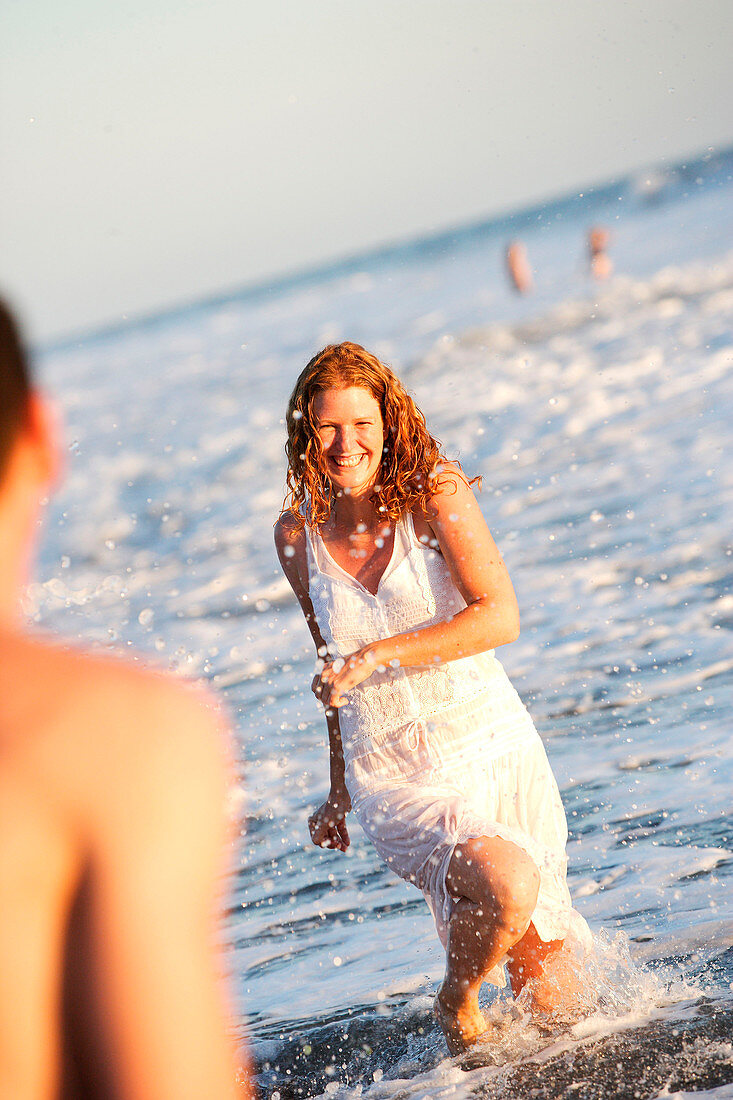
{"x":412,"y":456}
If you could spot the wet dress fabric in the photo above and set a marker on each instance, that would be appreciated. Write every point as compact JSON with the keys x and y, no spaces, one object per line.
{"x":437,"y":756}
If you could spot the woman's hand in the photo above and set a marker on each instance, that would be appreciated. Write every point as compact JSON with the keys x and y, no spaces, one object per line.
{"x":339,"y":676}
{"x":328,"y":826}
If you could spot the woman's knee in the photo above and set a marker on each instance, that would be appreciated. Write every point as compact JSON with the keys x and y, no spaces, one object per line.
{"x":499,"y":875}
{"x":517,"y":893}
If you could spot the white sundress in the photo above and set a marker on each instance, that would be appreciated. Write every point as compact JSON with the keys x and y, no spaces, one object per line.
{"x":437,"y":756}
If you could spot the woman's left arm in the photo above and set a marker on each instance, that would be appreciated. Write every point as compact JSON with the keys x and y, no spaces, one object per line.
{"x":491,"y":617}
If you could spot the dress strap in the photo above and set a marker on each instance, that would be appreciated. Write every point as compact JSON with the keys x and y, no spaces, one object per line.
{"x":418,"y":562}
{"x":311,"y":554}
{"x":409,"y":525}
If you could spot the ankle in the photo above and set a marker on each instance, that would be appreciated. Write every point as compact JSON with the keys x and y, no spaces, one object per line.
{"x":455,"y":995}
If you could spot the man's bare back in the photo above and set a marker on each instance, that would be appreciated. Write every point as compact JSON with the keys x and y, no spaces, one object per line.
{"x":111,"y":789}
{"x":112,"y":840}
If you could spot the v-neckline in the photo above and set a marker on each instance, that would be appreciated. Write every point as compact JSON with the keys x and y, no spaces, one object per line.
{"x":355,"y":580}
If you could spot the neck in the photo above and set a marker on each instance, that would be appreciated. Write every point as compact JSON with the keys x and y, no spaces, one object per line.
{"x":349,"y":510}
{"x":11,"y":587}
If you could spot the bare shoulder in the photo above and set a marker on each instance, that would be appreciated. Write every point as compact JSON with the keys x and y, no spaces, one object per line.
{"x":290,"y":543}
{"x":102,"y":723}
{"x":82,"y":680}
{"x":451,"y":478}
{"x":452,"y":496}
{"x":456,"y":522}
{"x":150,"y":712}
{"x":288,"y":531}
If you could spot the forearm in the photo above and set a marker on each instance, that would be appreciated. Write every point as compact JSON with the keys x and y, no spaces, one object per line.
{"x":335,"y":755}
{"x":479,"y":627}
{"x":327,"y":824}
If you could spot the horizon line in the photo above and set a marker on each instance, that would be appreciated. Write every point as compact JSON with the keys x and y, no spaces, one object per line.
{"x":351,"y":260}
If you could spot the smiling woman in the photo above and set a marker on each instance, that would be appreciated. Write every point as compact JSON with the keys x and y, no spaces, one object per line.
{"x":406,"y":596}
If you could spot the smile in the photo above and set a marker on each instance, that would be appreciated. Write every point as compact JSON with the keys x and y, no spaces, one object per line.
{"x":345,"y":462}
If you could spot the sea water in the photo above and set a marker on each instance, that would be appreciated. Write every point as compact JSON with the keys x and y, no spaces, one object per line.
{"x":599,"y":418}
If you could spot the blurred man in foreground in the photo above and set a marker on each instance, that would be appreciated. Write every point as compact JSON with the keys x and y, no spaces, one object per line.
{"x":112,"y":836}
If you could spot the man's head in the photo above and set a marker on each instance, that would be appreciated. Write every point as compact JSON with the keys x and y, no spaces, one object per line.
{"x":15,"y":385}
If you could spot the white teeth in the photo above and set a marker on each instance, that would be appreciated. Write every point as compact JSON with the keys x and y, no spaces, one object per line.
{"x":352,"y":460}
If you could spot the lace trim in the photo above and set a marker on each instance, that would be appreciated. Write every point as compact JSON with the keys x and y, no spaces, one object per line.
{"x":423,"y":580}
{"x":383,"y":705}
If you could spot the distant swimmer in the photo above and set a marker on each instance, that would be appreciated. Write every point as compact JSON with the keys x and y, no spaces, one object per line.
{"x":518,"y":269}
{"x":601,"y":265}
{"x":112,"y":838}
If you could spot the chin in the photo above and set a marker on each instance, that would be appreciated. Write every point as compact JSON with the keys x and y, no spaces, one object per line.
{"x":354,"y":480}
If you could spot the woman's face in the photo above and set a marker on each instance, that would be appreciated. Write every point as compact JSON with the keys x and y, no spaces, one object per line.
{"x":349,"y":425}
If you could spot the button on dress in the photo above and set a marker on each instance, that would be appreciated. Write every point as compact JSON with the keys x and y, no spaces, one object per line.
{"x":436,"y":756}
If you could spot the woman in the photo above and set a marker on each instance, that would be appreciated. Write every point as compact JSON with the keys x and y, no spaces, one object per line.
{"x":406,"y":596}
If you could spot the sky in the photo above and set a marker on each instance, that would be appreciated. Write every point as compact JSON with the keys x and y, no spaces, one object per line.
{"x":155,"y":153}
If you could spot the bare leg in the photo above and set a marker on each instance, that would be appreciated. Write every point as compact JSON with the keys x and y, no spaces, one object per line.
{"x":558,"y":984}
{"x":527,"y":957}
{"x":497,"y":885}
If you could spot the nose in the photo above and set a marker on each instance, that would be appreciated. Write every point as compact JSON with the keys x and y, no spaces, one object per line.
{"x":345,"y":438}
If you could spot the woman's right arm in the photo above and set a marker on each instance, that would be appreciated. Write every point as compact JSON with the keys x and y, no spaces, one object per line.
{"x":327,"y":825}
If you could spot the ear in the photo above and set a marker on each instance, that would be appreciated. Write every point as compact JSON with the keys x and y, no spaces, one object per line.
{"x":39,"y":434}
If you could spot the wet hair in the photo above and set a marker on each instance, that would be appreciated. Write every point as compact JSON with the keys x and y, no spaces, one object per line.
{"x":15,"y":384}
{"x":412,"y":458}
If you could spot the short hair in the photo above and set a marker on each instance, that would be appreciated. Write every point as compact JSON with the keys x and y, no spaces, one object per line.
{"x":15,"y":383}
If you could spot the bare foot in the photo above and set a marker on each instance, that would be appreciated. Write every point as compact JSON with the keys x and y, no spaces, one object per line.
{"x":462,"y":1025}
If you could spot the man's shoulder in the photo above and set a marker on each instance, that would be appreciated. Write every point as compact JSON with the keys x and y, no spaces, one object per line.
{"x":78,"y":678}
{"x":75,"y":715}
